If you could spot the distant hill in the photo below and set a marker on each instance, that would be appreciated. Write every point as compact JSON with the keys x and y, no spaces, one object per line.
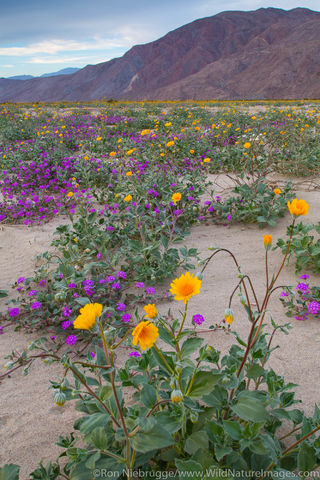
{"x":20,"y":77}
{"x":265,"y":54}
{"x":64,"y":71}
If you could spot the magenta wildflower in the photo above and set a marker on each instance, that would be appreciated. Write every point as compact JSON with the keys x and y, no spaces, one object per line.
{"x":72,"y":285}
{"x":21,"y":280}
{"x":121,"y":307}
{"x":302,"y":286}
{"x":14,"y":312}
{"x":198,"y":319}
{"x":92,"y":354}
{"x":71,"y":340}
{"x":36,"y":305}
{"x":116,"y":286}
{"x":134,"y":354}
{"x":304,"y":276}
{"x":110,"y":278}
{"x":314,"y":308}
{"x":32,"y":292}
{"x":140,"y":285}
{"x":122,"y":275}
{"x":65,"y":324}
{"x":126,"y":317}
{"x":150,"y":291}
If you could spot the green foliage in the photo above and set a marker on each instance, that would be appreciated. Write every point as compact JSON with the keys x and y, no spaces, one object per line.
{"x":304,"y":246}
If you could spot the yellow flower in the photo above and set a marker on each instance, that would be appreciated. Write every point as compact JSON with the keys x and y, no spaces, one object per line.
{"x":298,"y":207}
{"x":267,"y":240}
{"x":146,"y":334}
{"x":70,"y":194}
{"x":185,"y":287}
{"x":112,"y":154}
{"x":151,"y":311}
{"x":247,"y":145}
{"x":169,"y":144}
{"x":191,"y":151}
{"x":98,"y":139}
{"x":176,"y":197}
{"x":128,"y":198}
{"x":88,"y":316}
{"x":144,"y":132}
{"x":167,"y":124}
{"x":277,"y":191}
{"x":129,"y":174}
{"x":207,"y":160}
{"x":229,"y":315}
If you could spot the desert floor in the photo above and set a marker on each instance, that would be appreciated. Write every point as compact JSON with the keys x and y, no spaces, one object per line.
{"x":30,"y":422}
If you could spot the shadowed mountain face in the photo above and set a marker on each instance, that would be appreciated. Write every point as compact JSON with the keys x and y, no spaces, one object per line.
{"x":268,"y":53}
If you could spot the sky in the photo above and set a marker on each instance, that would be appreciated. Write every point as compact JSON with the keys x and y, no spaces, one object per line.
{"x":38,"y":37}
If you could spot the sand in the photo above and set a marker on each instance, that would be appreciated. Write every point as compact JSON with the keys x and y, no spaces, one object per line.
{"x":30,"y":422}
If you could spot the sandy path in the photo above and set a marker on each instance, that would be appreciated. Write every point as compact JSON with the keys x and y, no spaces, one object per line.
{"x":30,"y":420}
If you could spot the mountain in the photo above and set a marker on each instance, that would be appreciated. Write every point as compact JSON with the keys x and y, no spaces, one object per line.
{"x":265,"y":54}
{"x":64,"y":71}
{"x":21,"y":77}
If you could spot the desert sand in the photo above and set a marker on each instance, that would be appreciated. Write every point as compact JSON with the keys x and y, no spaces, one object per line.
{"x":30,"y":423}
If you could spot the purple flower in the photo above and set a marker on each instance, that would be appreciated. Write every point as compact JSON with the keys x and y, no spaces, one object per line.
{"x":302,"y":286}
{"x":42,"y":283}
{"x":198,"y":319}
{"x":102,"y":281}
{"x":314,"y":308}
{"x":304,"y":276}
{"x":65,"y":324}
{"x":122,"y":274}
{"x":126,"y":317}
{"x":121,"y":307}
{"x":71,"y":339}
{"x":116,"y":286}
{"x":36,"y":305}
{"x":72,"y":285}
{"x":229,"y":217}
{"x":92,"y":354}
{"x":14,"y":312}
{"x":140,"y":285}
{"x":110,"y":228}
{"x":99,"y":255}
{"x":284,"y":294}
{"x":110,"y":278}
{"x":21,"y":280}
{"x":67,"y":312}
{"x":134,"y":354}
{"x":1,"y":330}
{"x":61,"y":275}
{"x":150,"y":291}
{"x":32,"y":292}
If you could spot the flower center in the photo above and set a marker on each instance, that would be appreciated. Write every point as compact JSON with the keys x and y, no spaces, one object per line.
{"x":186,"y":289}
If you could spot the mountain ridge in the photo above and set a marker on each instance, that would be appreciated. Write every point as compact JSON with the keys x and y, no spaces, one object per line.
{"x":266,"y":53}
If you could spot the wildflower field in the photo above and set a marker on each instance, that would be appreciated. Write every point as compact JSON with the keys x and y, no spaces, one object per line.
{"x":169,"y":324}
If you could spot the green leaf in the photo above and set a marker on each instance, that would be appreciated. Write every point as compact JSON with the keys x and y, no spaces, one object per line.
{"x":83,"y":300}
{"x":190,"y":345}
{"x":221,"y":451}
{"x":195,"y":441}
{"x":99,"y":438}
{"x":148,"y":395}
{"x":9,"y":472}
{"x":233,"y":429}
{"x":250,"y":408}
{"x":93,"y":421}
{"x":255,"y":371}
{"x":204,"y":383}
{"x":188,"y":469}
{"x":306,"y":457}
{"x":157,"y":437}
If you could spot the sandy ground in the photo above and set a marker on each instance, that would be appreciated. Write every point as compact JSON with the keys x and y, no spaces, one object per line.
{"x":29,"y":420}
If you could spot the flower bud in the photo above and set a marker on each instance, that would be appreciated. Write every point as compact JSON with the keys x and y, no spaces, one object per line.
{"x":60,"y":399}
{"x":176,"y":396}
{"x":8,"y":365}
{"x":229,"y":315}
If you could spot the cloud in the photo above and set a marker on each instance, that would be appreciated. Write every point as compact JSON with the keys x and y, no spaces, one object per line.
{"x":51,"y":47}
